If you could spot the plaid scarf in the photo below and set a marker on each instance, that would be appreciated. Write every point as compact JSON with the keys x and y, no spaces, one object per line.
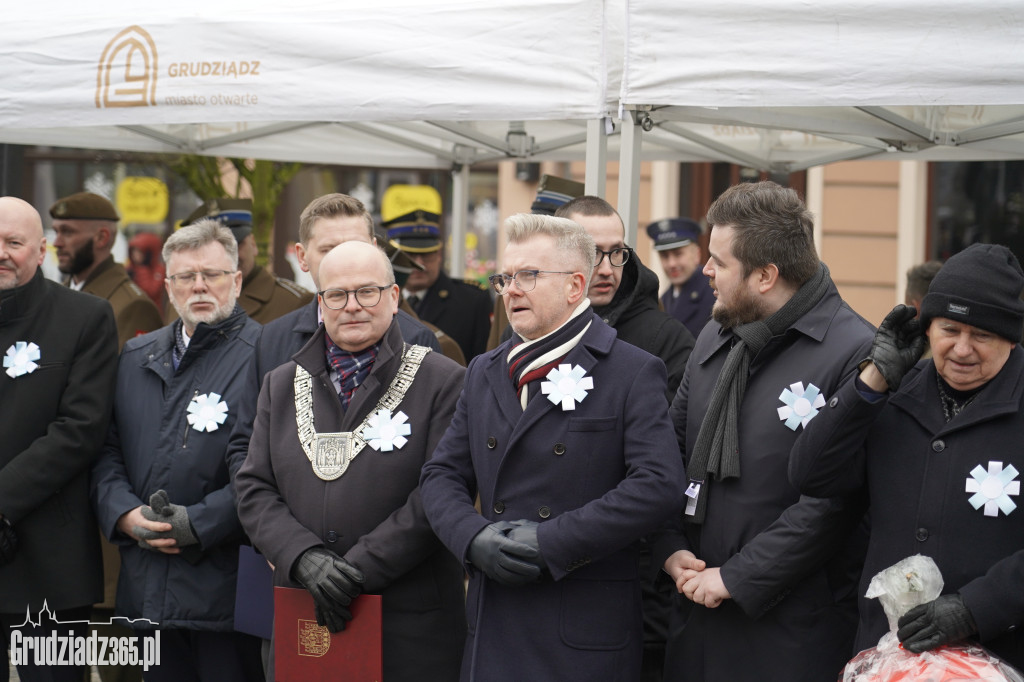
{"x":530,"y":361}
{"x":352,"y":368}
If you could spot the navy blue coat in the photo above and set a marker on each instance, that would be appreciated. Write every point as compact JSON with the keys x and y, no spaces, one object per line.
{"x":916,"y":467}
{"x":151,"y":446}
{"x":596,"y":479}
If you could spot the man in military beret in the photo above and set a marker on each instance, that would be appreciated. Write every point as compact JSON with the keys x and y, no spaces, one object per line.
{"x":462,"y":310}
{"x":264,"y":296}
{"x":689,"y":298}
{"x":85,"y":225}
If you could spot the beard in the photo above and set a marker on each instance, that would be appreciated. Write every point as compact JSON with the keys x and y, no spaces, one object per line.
{"x":81,"y":260}
{"x":747,"y":308}
{"x":218,"y":314}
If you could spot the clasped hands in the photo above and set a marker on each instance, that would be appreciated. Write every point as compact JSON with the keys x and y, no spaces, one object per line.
{"x":159,"y":527}
{"x":508,"y":552}
{"x":695,"y":581}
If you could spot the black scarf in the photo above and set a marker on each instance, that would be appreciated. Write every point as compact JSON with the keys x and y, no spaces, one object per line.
{"x":716,"y":452}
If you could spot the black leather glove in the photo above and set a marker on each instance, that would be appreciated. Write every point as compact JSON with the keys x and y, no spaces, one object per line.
{"x":938,"y":622}
{"x":8,"y":542}
{"x":898,"y":345}
{"x":526,"y":532}
{"x":332,"y":581}
{"x":502,"y":559}
{"x":161,"y":509}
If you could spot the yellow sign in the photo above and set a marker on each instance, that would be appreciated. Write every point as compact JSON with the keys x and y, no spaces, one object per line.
{"x":142,"y":200}
{"x":399,"y":200}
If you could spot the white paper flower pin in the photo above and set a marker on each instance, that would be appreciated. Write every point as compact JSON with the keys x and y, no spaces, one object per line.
{"x":21,"y":359}
{"x":567,"y":385}
{"x":207,"y":412}
{"x":992,"y":488}
{"x":801,"y":405}
{"x":385,"y":433}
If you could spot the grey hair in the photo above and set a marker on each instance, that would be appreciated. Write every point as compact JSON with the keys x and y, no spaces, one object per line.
{"x":199,"y":234}
{"x":570,"y":238}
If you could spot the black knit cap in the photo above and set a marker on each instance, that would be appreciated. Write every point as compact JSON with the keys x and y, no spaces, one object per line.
{"x":980,"y":286}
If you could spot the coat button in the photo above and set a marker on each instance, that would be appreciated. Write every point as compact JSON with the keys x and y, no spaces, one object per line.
{"x":559,"y":449}
{"x":922,"y":534}
{"x":938,"y":446}
{"x":544,"y":512}
{"x":492,"y":442}
{"x":833,"y":402}
{"x":332,"y":536}
{"x":499,"y":507}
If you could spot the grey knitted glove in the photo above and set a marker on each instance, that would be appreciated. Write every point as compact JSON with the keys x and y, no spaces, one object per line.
{"x":161,"y":509}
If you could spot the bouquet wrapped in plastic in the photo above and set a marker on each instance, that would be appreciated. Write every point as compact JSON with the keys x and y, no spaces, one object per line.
{"x":913,"y":581}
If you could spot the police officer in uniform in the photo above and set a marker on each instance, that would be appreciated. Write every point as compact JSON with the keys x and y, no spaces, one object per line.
{"x":461,"y":309}
{"x":85,"y":225}
{"x":689,"y":298}
{"x":264,"y":296}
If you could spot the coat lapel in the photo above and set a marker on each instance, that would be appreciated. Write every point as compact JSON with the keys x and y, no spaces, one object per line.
{"x":598,"y":338}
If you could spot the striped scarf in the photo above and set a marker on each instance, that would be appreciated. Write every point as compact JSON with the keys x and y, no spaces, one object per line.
{"x":530,"y":361}
{"x":352,"y":368}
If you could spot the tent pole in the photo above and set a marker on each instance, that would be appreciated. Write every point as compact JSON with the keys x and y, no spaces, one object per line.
{"x":629,"y":173}
{"x":460,"y":220}
{"x":596,"y":183}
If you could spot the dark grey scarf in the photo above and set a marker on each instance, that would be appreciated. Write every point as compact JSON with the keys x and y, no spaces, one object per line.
{"x":716,"y":452}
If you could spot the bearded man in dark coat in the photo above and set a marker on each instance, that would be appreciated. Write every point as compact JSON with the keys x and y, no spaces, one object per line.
{"x":762,"y":572}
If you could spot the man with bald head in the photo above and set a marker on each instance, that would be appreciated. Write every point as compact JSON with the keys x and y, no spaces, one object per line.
{"x":335,"y":506}
{"x":60,"y":358}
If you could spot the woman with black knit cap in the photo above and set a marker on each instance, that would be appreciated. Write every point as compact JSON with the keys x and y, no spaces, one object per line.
{"x":939,"y":447}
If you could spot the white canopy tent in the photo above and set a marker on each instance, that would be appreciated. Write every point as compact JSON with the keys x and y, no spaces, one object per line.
{"x":403,"y":83}
{"x":785,"y":86}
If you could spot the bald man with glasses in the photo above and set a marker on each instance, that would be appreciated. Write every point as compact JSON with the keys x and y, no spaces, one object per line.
{"x":335,"y":506}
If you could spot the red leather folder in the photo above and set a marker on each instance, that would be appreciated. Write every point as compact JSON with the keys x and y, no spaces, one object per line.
{"x":307,"y":652}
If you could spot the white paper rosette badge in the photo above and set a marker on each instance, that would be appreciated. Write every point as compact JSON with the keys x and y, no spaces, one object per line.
{"x":567,"y":385}
{"x":992,"y":488}
{"x":207,"y":412}
{"x":386,"y":433}
{"x":21,"y":358}
{"x":801,"y":405}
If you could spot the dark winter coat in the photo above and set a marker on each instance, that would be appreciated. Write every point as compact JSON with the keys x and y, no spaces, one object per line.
{"x":52,"y":425}
{"x":917,"y":469}
{"x":596,"y":479}
{"x":151,"y":446}
{"x":791,"y":611}
{"x":372,"y":514}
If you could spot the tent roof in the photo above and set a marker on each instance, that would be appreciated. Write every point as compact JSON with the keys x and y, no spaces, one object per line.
{"x":772,"y":85}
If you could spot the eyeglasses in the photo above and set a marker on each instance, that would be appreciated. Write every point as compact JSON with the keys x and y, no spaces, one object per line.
{"x":526,"y":280}
{"x":185,"y":280}
{"x":616,"y":257}
{"x":367,"y":297}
